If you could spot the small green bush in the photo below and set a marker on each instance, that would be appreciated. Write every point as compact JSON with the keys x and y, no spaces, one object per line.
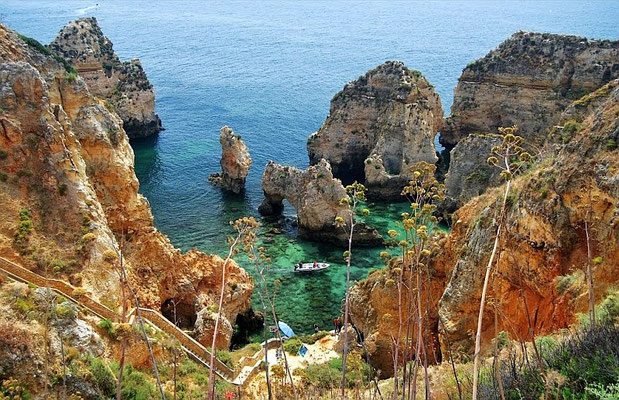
{"x":65,"y":311}
{"x":108,"y":326}
{"x":3,"y":176}
{"x":22,"y":233}
{"x":135,"y":386}
{"x":102,"y":377}
{"x":3,"y":154}
{"x":292,"y":345}
{"x":225,"y":357}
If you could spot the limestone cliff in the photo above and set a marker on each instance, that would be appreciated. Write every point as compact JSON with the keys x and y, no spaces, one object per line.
{"x":528,"y":81}
{"x":543,"y":249}
{"x":469,"y":174}
{"x":123,"y":85}
{"x":316,"y":195}
{"x":67,"y":184}
{"x":235,"y":162}
{"x":377,"y":127}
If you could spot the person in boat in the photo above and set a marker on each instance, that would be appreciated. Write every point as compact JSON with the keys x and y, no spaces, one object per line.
{"x":315,"y":264}
{"x":298,"y":266}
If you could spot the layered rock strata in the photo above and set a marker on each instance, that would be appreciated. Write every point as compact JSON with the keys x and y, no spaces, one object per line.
{"x":235,"y":162}
{"x":528,"y":81}
{"x":67,"y":179}
{"x":378,"y":126}
{"x":316,"y":195}
{"x":123,"y":85}
{"x":542,"y":251}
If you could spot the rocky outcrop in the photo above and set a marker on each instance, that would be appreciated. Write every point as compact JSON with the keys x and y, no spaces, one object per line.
{"x":528,"y":81}
{"x":123,"y":85}
{"x":67,"y":177}
{"x":316,"y":195}
{"x":542,"y":252}
{"x":235,"y":162}
{"x":378,"y":126}
{"x":545,"y":240}
{"x":469,"y":174}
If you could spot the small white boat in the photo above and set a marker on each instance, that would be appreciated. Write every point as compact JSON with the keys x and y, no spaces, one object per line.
{"x":309,"y":267}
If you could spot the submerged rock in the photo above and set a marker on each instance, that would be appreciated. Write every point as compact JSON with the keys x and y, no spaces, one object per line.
{"x":378,"y":126}
{"x":235,"y":162}
{"x":528,"y":81}
{"x":316,"y":195}
{"x":123,"y":85}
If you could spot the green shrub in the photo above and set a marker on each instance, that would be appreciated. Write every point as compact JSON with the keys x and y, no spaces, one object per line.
{"x":135,"y":386}
{"x":71,"y":76}
{"x":62,"y":189}
{"x":24,"y":305}
{"x":3,"y":176}
{"x":108,"y":326}
{"x":65,"y":311}
{"x":3,"y":154}
{"x":102,"y":377}
{"x":35,"y":44}
{"x":225,"y":357}
{"x":570,"y":128}
{"x":292,"y":345}
{"x":22,"y":233}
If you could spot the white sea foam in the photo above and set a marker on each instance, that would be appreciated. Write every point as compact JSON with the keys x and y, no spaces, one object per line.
{"x":83,"y":11}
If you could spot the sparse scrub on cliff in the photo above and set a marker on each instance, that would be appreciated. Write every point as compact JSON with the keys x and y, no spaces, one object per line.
{"x":22,"y":232}
{"x":356,"y":195}
{"x":509,"y":157}
{"x":413,"y":275}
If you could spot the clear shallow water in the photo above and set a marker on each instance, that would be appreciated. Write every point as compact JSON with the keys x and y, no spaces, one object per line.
{"x":268,"y":69}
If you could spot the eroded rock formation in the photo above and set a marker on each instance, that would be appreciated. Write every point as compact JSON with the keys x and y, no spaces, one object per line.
{"x":316,"y":195}
{"x":66,"y":160}
{"x":543,"y":249}
{"x":378,"y":126}
{"x":469,"y":174}
{"x":528,"y":81}
{"x":235,"y":162}
{"x":123,"y":85}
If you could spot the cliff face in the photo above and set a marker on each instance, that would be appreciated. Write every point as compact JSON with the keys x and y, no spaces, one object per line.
{"x":68,"y":184}
{"x":316,"y":195}
{"x":469,"y":174}
{"x":235,"y":162}
{"x":528,"y":81}
{"x":123,"y":84}
{"x":543,"y":249}
{"x":389,"y":116}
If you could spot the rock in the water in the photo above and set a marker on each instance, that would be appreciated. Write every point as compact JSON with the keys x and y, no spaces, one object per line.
{"x":123,"y":85}
{"x":235,"y":162}
{"x":528,"y":81}
{"x":316,"y":195}
{"x":378,"y":126}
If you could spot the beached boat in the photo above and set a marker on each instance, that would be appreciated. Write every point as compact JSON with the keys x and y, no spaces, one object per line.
{"x":309,"y":267}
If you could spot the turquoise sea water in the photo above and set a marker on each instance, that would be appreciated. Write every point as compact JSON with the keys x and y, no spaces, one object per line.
{"x":268,"y":69}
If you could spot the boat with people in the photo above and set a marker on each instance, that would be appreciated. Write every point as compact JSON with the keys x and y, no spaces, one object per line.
{"x":310,"y":267}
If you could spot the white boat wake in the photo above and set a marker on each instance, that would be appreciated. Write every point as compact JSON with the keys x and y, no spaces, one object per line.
{"x":83,"y":11}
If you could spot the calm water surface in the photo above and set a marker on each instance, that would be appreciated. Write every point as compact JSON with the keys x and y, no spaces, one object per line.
{"x":268,"y":69}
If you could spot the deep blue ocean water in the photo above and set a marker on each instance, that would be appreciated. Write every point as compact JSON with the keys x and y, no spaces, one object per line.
{"x":268,"y":70}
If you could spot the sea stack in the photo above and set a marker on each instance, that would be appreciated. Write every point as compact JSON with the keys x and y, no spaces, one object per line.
{"x":316,"y":196}
{"x":235,"y":162}
{"x":123,"y":84}
{"x":378,"y":127}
